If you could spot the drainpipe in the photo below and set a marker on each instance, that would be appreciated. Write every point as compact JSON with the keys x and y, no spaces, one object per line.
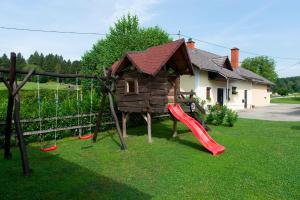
{"x":227,"y":93}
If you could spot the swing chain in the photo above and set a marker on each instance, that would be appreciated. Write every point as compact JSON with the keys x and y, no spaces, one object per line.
{"x":56,"y":111}
{"x":91,"y":105}
{"x":39,"y":110}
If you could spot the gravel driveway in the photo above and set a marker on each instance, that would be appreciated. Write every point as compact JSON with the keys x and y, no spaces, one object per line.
{"x":273,"y":112}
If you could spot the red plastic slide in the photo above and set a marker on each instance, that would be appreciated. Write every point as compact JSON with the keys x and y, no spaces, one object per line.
{"x":197,"y":129}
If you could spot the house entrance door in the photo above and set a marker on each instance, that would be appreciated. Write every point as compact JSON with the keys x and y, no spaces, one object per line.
{"x":220,"y":96}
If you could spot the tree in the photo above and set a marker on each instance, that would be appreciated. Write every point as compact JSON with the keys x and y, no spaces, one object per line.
{"x":125,"y":35}
{"x":292,"y":84}
{"x":282,"y":91}
{"x":4,"y":61}
{"x":261,"y":65}
{"x":20,"y":61}
{"x":35,"y":59}
{"x":75,"y":66}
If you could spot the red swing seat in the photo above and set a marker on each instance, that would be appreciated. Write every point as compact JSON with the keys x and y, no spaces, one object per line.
{"x":52,"y":148}
{"x":86,"y":137}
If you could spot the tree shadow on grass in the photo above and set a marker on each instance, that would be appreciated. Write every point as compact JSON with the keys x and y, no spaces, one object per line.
{"x":295,"y":128}
{"x":56,"y":178}
{"x":160,"y":130}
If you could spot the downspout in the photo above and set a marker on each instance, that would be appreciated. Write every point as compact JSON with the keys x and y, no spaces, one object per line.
{"x":227,"y":93}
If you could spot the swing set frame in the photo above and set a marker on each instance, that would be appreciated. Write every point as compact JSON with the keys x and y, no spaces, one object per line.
{"x":13,"y":107}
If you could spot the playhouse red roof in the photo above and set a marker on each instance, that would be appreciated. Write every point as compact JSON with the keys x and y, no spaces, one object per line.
{"x":153,"y":59}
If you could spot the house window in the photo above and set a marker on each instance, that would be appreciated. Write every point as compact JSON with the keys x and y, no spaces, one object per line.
{"x":131,"y":87}
{"x":234,"y":90}
{"x":208,"y":93}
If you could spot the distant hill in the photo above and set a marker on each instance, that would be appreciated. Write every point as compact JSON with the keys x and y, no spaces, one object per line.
{"x":292,"y":84}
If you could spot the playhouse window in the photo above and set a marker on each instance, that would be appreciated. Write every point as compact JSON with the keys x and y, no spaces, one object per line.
{"x":131,"y":87}
{"x":208,"y":93}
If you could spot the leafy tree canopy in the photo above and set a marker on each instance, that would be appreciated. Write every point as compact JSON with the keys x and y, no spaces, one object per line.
{"x":4,"y":61}
{"x":291,"y":84}
{"x":261,"y":65}
{"x":125,"y":35}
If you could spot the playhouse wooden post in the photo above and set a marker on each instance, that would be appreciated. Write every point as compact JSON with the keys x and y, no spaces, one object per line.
{"x":10,"y":106}
{"x":124,"y":121}
{"x":99,"y":117}
{"x":174,"y":127}
{"x":149,"y":127}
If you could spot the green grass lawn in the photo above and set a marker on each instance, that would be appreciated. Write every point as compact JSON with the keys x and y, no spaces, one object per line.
{"x":43,"y":86}
{"x":261,"y":161}
{"x":289,"y":100}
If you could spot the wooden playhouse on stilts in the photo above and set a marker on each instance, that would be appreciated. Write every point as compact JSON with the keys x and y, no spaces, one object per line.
{"x":148,"y":82}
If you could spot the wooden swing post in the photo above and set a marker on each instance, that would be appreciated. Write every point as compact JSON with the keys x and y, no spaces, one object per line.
{"x":99,"y":117}
{"x":107,"y":91}
{"x":107,"y":74}
{"x":13,"y":111}
{"x":20,"y":136}
{"x":10,"y":106}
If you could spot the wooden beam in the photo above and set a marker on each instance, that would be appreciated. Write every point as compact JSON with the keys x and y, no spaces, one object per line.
{"x":57,"y":75}
{"x":186,"y":93}
{"x":99,"y":117}
{"x":23,"y":82}
{"x":10,"y":107}
{"x":62,"y":129}
{"x":54,"y":118}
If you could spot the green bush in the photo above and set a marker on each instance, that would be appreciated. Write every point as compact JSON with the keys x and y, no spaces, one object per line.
{"x":230,"y":118}
{"x":282,"y":91}
{"x":221,"y":115}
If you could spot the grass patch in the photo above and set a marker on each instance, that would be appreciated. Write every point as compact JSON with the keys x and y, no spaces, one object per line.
{"x":288,"y":100}
{"x":261,"y":161}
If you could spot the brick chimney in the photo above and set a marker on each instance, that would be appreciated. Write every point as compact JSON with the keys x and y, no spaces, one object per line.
{"x":190,"y":44}
{"x":235,"y":58}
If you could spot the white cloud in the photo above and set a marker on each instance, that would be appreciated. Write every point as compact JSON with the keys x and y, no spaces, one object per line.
{"x":140,"y":8}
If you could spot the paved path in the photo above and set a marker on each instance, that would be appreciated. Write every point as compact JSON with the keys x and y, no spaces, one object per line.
{"x":274,"y":112}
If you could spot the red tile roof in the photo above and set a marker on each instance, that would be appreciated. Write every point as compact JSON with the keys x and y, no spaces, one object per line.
{"x":151,"y":60}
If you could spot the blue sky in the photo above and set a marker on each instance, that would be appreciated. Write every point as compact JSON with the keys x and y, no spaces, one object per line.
{"x":260,"y":26}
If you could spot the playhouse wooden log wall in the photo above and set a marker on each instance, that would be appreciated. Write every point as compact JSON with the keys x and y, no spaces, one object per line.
{"x":152,"y":95}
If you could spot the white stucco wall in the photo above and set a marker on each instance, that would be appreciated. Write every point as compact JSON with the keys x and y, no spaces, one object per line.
{"x":236,"y":101}
{"x":257,"y":95}
{"x":187,"y":83}
{"x":199,"y":82}
{"x":261,"y":96}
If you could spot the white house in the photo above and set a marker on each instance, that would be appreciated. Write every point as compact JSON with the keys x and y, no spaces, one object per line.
{"x":214,"y":75}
